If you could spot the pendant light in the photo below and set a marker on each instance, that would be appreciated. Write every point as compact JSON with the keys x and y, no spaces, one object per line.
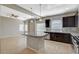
{"x":40,"y":14}
{"x":31,"y":17}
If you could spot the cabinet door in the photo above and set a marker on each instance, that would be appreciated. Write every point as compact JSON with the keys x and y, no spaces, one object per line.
{"x":59,"y":37}
{"x":69,"y":21}
{"x":52,"y":36}
{"x":68,"y":38}
{"x":65,"y":22}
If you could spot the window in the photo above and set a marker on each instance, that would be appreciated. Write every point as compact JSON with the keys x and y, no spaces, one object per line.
{"x":21,"y":27}
{"x":40,"y":27}
{"x":56,"y":24}
{"x":26,"y":27}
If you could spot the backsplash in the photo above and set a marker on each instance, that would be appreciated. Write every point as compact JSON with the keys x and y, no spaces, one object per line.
{"x":65,"y":29}
{"x":70,"y":28}
{"x":77,"y":29}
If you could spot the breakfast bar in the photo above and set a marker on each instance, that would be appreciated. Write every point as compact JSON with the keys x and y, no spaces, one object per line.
{"x":36,"y":41}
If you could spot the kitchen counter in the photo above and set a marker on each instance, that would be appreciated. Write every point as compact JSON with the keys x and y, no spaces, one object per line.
{"x":35,"y":41}
{"x":62,"y":35}
{"x":73,"y":33}
{"x":37,"y":35}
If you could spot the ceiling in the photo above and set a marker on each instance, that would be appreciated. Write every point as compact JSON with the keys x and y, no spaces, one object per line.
{"x":5,"y":11}
{"x":46,"y":10}
{"x":49,"y":9}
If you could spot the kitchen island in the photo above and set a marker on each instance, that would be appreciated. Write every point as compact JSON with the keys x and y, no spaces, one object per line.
{"x":36,"y":41}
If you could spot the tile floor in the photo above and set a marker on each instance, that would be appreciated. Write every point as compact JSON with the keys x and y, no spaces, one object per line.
{"x":52,"y":47}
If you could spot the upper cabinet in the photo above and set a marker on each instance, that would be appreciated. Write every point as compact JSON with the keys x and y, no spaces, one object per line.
{"x":70,"y":21}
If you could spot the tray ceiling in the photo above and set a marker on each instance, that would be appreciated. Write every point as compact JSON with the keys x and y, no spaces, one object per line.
{"x":49,"y":9}
{"x":46,"y":10}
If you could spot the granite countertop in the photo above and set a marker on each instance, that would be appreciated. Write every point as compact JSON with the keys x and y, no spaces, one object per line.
{"x":43,"y":34}
{"x":32,"y":34}
{"x":74,"y":33}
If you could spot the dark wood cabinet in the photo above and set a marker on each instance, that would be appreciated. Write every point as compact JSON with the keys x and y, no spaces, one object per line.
{"x":70,"y":21}
{"x":60,"y":37}
{"x":76,"y":19}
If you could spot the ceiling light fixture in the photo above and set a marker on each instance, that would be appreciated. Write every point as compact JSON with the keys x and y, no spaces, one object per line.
{"x":40,"y":19}
{"x":14,"y":15}
{"x":31,"y":17}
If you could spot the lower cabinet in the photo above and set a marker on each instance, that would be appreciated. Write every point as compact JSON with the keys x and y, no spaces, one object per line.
{"x":61,"y":37}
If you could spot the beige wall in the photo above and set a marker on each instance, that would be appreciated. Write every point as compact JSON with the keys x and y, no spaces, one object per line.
{"x":0,"y":27}
{"x":11,"y":40}
{"x":9,"y":26}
